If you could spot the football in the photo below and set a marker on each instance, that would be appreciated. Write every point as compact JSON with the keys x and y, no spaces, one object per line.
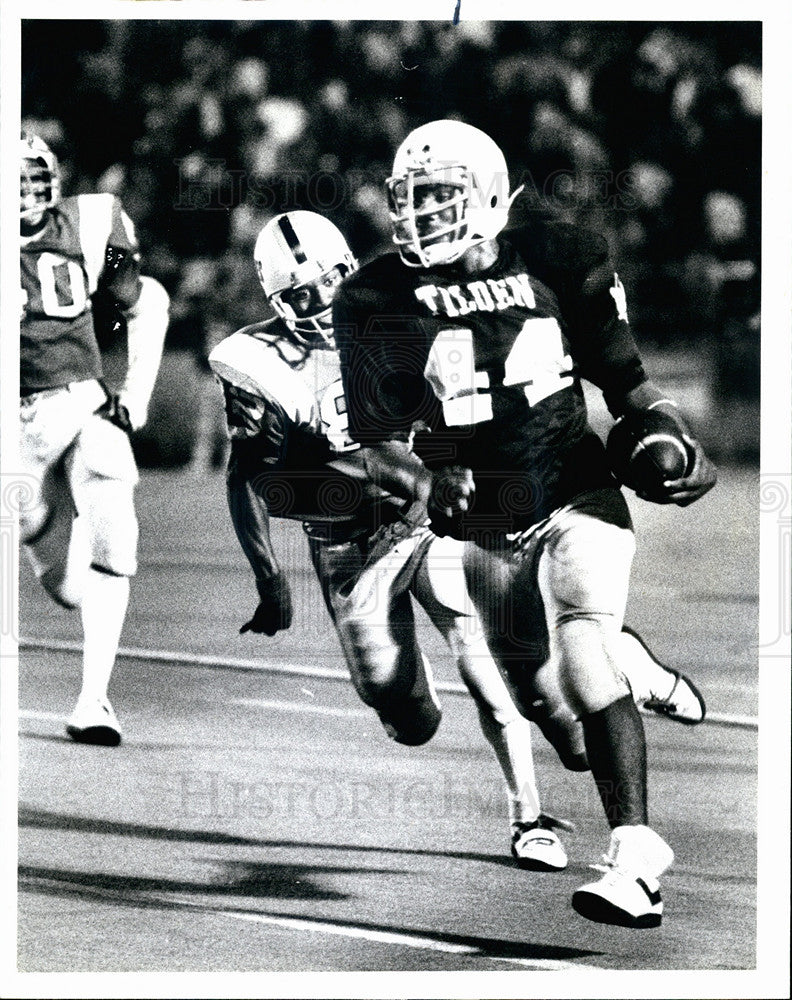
{"x":646,"y":450}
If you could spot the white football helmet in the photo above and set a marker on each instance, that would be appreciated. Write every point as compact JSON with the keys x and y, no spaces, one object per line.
{"x":468,"y":172}
{"x":293,"y":250}
{"x":39,"y":177}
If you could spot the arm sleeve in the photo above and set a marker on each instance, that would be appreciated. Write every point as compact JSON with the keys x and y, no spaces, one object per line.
{"x":147,"y":323}
{"x":120,"y":275}
{"x":382,"y":363}
{"x":594,"y":306}
{"x":258,"y":430}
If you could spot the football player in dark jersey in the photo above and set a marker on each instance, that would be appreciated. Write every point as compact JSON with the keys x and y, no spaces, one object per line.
{"x":461,"y":358}
{"x":77,"y":518}
{"x":292,"y":457}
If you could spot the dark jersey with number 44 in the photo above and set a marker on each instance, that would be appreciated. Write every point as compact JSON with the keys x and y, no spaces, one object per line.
{"x":487,"y":367}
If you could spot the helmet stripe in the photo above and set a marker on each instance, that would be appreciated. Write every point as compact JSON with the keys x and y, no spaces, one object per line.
{"x":291,"y":239}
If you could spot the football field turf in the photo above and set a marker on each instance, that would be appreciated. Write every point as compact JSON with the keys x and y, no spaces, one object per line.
{"x":255,"y":816}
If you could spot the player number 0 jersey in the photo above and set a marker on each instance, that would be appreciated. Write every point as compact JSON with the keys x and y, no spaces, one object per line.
{"x":60,"y":268}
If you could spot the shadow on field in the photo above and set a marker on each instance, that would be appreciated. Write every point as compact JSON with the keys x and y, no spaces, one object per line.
{"x":131,"y":891}
{"x":270,"y":881}
{"x":42,"y":819}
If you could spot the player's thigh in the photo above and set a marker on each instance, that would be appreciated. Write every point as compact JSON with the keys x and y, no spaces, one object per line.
{"x":584,"y":568}
{"x":337,"y":566}
{"x":103,"y":477}
{"x":49,"y":424}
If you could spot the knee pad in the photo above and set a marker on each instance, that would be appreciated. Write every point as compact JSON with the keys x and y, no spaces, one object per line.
{"x":103,"y":475}
{"x":591,"y":678}
{"x":559,"y":726}
{"x":537,"y":693}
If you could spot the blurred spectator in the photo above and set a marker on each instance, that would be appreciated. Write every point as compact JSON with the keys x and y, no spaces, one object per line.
{"x":651,"y":133}
{"x":726,"y":276}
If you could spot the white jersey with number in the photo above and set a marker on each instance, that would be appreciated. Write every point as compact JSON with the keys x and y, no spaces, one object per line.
{"x":260,"y":367}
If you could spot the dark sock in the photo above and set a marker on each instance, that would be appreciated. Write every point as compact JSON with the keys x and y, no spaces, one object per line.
{"x":616,"y":750}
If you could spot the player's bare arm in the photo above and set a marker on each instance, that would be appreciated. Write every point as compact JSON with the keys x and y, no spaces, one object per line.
{"x":258,"y":426}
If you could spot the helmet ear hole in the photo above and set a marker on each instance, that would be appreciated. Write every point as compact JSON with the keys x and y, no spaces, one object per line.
{"x":493,"y":201}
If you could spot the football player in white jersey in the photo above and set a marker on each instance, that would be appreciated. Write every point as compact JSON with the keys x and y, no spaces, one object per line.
{"x":291,"y":457}
{"x":77,"y":518}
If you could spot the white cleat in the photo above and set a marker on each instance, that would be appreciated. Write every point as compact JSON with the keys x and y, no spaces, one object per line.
{"x":658,"y":688}
{"x":628,"y":894}
{"x":94,"y":722}
{"x":535,"y":846}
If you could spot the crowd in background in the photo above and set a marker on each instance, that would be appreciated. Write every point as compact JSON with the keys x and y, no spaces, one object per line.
{"x":650,"y":133}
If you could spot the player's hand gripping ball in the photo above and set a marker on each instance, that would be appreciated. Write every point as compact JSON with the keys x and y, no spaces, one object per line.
{"x":647,"y":451}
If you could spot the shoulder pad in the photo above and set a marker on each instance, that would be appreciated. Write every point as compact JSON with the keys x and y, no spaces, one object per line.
{"x":387,"y":268}
{"x":257,"y":361}
{"x":559,"y":246}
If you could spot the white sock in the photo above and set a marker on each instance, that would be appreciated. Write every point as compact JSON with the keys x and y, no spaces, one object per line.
{"x":512,"y":745}
{"x":508,"y":732}
{"x":646,"y":678}
{"x":103,"y":610}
